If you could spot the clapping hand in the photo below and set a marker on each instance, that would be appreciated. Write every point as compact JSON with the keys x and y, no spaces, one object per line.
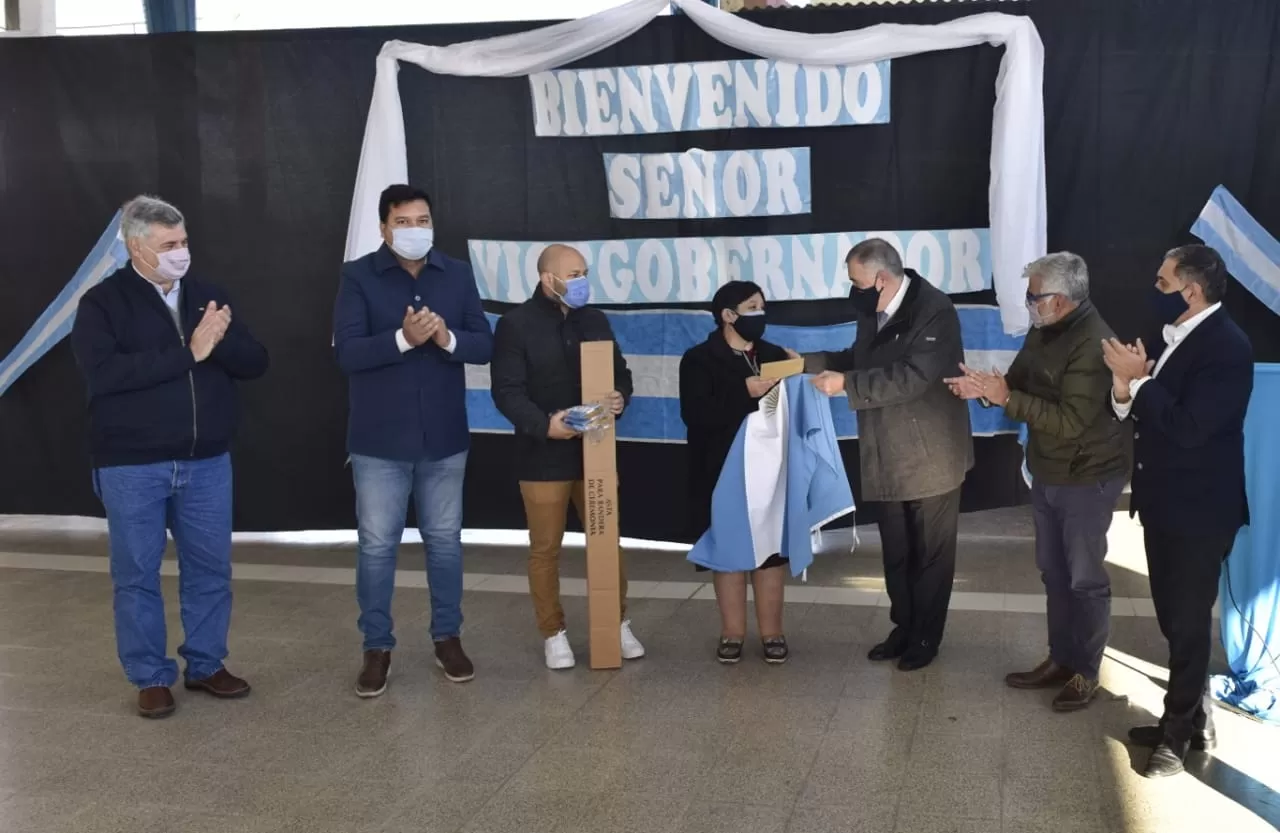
{"x":975,"y":384}
{"x":420,"y":325}
{"x":966,"y":387}
{"x":1126,"y":361}
{"x":210,"y":331}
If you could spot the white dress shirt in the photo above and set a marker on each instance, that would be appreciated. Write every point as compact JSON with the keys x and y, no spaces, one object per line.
{"x":170,"y":297}
{"x":1173,"y":334}
{"x":887,"y":314}
{"x":405,"y":346}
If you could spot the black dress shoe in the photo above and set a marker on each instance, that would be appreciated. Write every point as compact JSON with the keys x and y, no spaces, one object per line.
{"x":917,"y":657}
{"x":892,"y":648}
{"x":1166,"y":760}
{"x":1152,"y":736}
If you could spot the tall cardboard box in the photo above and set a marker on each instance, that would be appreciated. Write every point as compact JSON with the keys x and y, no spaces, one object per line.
{"x":600,"y":483}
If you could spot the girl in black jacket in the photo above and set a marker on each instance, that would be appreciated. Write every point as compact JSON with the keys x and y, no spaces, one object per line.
{"x":720,"y":386}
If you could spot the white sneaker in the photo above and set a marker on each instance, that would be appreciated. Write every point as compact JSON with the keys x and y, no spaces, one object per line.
{"x":559,"y":654}
{"x":631,"y":647}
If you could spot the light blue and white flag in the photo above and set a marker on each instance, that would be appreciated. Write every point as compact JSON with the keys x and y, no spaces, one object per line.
{"x":782,"y":481}
{"x":107,"y":255}
{"x":654,"y":341}
{"x":1251,"y":253}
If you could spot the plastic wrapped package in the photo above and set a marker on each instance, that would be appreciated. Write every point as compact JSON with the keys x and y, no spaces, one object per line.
{"x":590,"y":420}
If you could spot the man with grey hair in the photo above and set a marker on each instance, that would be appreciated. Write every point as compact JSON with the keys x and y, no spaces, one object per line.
{"x":915,"y":444}
{"x":161,"y":355}
{"x":1078,"y":458}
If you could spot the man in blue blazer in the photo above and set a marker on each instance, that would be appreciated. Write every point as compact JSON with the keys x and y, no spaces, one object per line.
{"x":1188,"y":403}
{"x":406,"y":322}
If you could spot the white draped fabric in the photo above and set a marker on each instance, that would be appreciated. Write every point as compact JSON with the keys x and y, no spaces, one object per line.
{"x":1017,"y":193}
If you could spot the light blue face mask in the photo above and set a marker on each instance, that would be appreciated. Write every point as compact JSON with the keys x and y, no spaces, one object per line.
{"x":577,"y":291}
{"x":412,"y":243}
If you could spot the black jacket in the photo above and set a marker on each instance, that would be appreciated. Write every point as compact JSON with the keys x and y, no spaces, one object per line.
{"x":713,"y":403}
{"x":1188,"y":437}
{"x":537,"y":371}
{"x":149,"y":400}
{"x":914,"y":437}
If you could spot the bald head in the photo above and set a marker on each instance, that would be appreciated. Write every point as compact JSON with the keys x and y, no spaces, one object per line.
{"x":557,"y":265}
{"x":556,"y":257}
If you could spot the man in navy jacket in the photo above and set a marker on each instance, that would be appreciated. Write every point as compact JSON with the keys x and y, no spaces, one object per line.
{"x":1188,"y":403}
{"x":161,"y":355}
{"x":406,"y":321}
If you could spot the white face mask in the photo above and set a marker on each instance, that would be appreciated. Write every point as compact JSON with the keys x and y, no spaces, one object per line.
{"x":412,"y":243}
{"x":173,"y":264}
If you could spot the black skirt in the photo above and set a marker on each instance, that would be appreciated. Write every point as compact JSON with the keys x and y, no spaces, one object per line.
{"x":774,"y":560}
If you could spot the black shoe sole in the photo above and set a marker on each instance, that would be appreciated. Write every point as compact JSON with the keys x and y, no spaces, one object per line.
{"x":1041,"y":686}
{"x":1197,"y":743}
{"x":915,"y":664}
{"x":157,"y":714}
{"x":221,"y":695}
{"x":456,"y":678}
{"x":1075,"y":706}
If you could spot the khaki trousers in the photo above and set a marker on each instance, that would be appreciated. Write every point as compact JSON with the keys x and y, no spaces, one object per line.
{"x":546,"y":511}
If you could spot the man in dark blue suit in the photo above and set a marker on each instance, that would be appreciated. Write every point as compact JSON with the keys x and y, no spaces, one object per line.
{"x":1188,"y":405}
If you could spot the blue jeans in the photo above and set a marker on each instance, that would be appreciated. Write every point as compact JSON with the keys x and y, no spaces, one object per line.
{"x":383,"y":488}
{"x":192,"y":499}
{"x":1071,"y":548}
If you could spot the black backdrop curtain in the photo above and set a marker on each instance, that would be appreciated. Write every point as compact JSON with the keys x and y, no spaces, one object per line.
{"x":256,"y":135}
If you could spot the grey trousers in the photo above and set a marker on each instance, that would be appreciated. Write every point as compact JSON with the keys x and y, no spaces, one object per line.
{"x":1071,"y":545}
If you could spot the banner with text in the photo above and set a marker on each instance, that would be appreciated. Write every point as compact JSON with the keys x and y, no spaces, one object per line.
{"x":709,"y":95}
{"x":700,"y":184}
{"x":689,"y":270}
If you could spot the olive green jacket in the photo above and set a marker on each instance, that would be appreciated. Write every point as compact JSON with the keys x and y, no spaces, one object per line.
{"x":1060,"y":387}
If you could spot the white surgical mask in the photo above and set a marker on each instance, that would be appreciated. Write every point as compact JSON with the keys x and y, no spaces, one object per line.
{"x":172,"y":264}
{"x":412,"y":243}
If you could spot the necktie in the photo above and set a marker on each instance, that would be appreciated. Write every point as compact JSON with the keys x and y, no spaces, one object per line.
{"x":882,"y":318}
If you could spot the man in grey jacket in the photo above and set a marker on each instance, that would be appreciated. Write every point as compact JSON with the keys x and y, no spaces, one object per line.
{"x":915,"y":442}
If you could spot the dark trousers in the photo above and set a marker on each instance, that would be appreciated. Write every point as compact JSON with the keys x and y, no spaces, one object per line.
{"x":1184,"y":571}
{"x":1071,"y":546}
{"x":919,"y":542}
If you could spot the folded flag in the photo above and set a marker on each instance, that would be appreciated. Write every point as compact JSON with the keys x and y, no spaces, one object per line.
{"x":783,"y":480}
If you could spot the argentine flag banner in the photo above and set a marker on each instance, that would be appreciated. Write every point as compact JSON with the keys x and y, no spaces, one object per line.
{"x":1251,"y":253}
{"x":782,"y":481}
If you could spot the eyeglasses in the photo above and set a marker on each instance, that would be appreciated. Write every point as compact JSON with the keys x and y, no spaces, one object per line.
{"x":1035,"y":299}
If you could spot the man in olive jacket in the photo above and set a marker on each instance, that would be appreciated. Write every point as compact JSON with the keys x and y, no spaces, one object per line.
{"x":1059,"y":386}
{"x":914,"y":440}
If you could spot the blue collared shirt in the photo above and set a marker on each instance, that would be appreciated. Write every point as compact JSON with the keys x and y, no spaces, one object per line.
{"x":407,"y":405}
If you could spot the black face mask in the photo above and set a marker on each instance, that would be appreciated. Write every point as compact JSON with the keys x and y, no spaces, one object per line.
{"x":865,"y":301}
{"x":1168,"y":306}
{"x":750,"y":326}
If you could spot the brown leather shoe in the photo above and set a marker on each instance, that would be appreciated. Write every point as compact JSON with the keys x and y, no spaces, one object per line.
{"x":1047,"y":674}
{"x":1077,"y":694}
{"x":373,"y":674}
{"x":155,"y":702}
{"x":451,"y":658}
{"x":222,"y":684}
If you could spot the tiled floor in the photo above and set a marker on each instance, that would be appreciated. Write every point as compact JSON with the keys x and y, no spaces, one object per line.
{"x":830,"y":742}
